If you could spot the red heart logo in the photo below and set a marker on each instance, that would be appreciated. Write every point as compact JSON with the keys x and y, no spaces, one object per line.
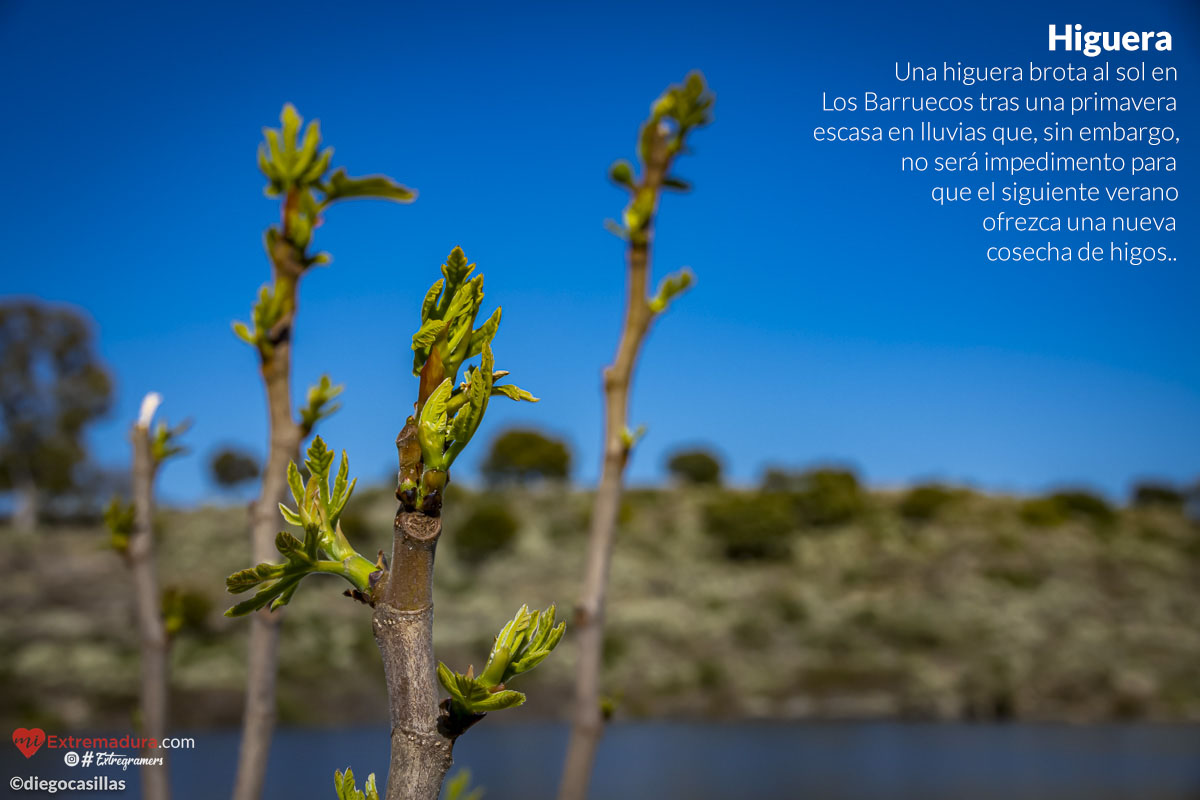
{"x":28,"y":740}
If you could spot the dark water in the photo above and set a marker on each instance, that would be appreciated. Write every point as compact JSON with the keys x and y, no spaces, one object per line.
{"x":822,"y":761}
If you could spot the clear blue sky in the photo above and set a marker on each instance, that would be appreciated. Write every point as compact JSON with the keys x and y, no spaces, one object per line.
{"x":838,"y":316}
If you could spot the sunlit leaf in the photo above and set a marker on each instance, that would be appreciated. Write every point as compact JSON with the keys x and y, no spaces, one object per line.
{"x":343,"y":187}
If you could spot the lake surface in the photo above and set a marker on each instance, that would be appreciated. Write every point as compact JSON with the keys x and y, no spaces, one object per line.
{"x":780,"y":761}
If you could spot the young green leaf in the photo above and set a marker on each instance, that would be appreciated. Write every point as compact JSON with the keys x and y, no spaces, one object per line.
{"x":429,"y":332}
{"x":616,"y":229}
{"x":484,"y":335}
{"x":430,"y":302}
{"x":118,"y":518}
{"x":290,"y":516}
{"x":247,"y":579}
{"x":621,"y":173}
{"x":523,"y":643}
{"x":296,"y":484}
{"x":346,"y":789}
{"x":165,"y":442}
{"x":467,"y":421}
{"x":343,"y":187}
{"x":456,"y":269}
{"x":459,"y":787}
{"x":513,"y":393}
{"x":319,"y":459}
{"x":320,"y":403}
{"x":540,"y":642}
{"x":289,"y":546}
{"x":468,"y":695}
{"x":676,"y":184}
{"x":431,"y":427}
{"x":671,"y":286}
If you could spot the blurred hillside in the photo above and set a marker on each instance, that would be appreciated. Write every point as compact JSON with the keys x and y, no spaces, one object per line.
{"x":808,"y":597}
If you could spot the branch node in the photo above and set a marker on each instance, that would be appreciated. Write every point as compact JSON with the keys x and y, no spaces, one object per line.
{"x":418,"y":527}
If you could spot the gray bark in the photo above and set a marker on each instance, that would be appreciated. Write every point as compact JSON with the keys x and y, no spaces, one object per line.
{"x":262,"y":664}
{"x":151,"y":628}
{"x":258,"y":722}
{"x":421,"y":753}
{"x":587,"y":724}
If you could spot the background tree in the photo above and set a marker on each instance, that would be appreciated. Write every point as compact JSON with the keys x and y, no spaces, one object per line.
{"x":695,"y":467}
{"x":298,"y":173}
{"x":131,"y":529}
{"x":52,"y":385}
{"x":1150,"y":494}
{"x":232,"y":467}
{"x":662,"y":138}
{"x":522,"y":456}
{"x":822,"y":497}
{"x":1060,"y":507}
{"x":751,"y":527}
{"x":925,"y":502}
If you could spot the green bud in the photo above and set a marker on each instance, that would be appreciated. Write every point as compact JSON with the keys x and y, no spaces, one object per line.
{"x":621,"y":173}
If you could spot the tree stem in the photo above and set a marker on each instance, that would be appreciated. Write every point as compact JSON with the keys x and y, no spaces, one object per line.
{"x":421,"y":753}
{"x":152,"y":631}
{"x":258,"y":720}
{"x":588,"y":630}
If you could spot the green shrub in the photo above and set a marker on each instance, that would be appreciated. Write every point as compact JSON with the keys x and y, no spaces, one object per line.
{"x":1042,"y":512}
{"x":1085,"y":504}
{"x":822,"y":497}
{"x":926,"y":502}
{"x":525,"y":456}
{"x":1149,"y":495}
{"x":751,"y":634}
{"x":789,"y":609}
{"x":695,"y":467}
{"x":751,"y":527}
{"x":1055,"y":509}
{"x":645,"y":499}
{"x":1016,"y":577}
{"x":489,"y":529}
{"x":709,"y":674}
